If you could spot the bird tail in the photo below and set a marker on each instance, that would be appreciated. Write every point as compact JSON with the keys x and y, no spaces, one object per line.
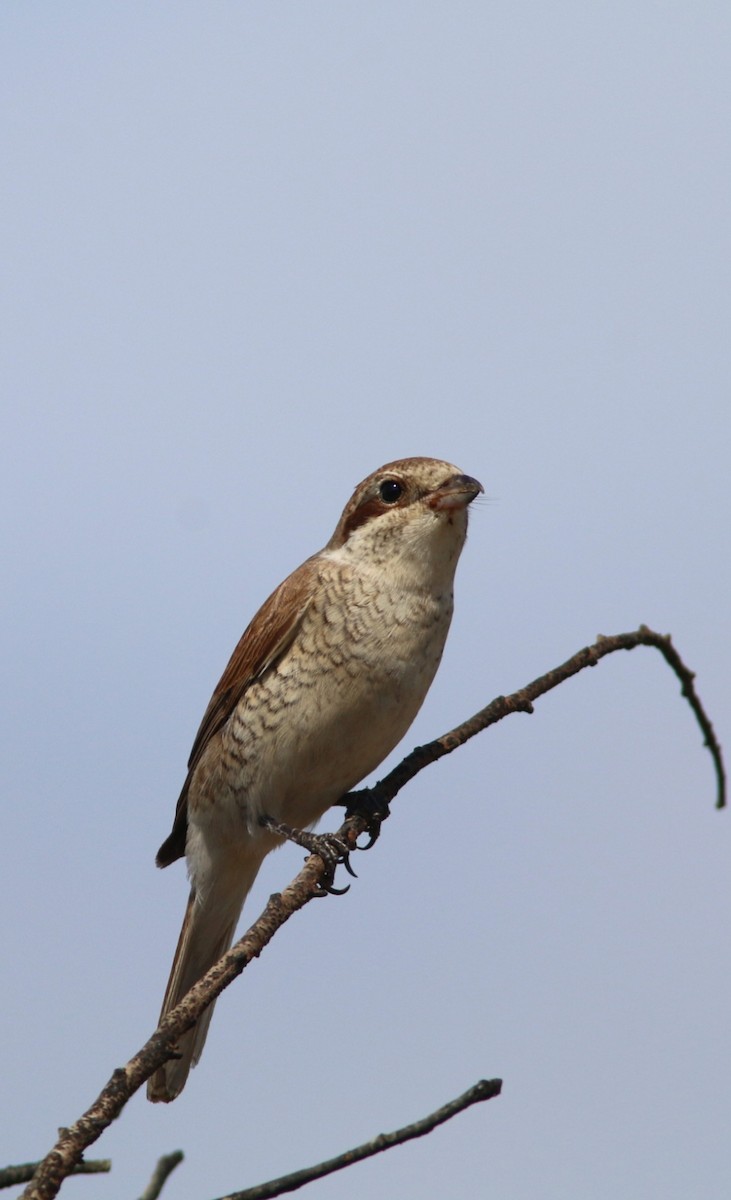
{"x":207,"y":933}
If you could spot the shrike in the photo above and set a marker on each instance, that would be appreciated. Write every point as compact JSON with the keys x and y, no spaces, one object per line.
{"x":324,"y":683}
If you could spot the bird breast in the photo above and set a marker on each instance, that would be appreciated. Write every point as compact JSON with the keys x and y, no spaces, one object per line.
{"x":337,"y":702}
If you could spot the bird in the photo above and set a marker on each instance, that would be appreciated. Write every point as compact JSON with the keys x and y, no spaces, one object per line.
{"x":323,"y":684}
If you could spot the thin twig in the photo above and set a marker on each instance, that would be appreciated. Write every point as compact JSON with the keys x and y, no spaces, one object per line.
{"x":522,"y":701}
{"x":486,"y":1089}
{"x":24,"y":1172}
{"x":164,"y":1167}
{"x":306,"y":886}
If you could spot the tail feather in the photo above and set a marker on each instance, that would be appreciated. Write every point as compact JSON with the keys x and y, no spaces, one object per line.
{"x":207,"y":933}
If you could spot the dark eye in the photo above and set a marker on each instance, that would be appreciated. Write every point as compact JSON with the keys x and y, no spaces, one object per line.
{"x":390,"y":491}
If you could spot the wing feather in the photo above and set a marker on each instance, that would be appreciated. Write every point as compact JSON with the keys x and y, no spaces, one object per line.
{"x":260,"y":647}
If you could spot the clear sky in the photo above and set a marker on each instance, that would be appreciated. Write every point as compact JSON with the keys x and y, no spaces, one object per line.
{"x":251,"y":251}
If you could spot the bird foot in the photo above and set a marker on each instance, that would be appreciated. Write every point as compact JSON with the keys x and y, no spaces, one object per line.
{"x":333,"y":851}
{"x":367,"y":806}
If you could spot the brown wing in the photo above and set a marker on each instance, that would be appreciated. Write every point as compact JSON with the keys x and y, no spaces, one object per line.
{"x":263,"y":642}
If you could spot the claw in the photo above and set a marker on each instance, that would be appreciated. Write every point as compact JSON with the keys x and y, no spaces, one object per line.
{"x":333,"y":851}
{"x":348,"y":865}
{"x":373,"y":836}
{"x":329,"y":890}
{"x":370,"y":809}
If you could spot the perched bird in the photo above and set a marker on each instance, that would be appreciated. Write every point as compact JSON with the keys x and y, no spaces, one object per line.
{"x":323,"y":684}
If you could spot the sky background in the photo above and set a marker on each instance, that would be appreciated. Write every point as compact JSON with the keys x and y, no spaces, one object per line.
{"x":250,"y":252}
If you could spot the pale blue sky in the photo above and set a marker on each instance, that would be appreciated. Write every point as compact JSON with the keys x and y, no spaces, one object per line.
{"x":251,"y":252}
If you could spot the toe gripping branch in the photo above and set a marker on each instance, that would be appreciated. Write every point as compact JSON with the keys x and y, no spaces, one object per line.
{"x":365,"y":812}
{"x":330,"y":847}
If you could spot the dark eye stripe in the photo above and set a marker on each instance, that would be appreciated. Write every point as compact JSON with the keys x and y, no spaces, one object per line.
{"x":372,"y":506}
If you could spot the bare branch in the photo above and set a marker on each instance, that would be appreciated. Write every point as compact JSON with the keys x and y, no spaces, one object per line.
{"x":165,"y":1166}
{"x":24,"y":1172}
{"x":522,"y":701}
{"x":125,"y":1081}
{"x":306,"y":886}
{"x":486,"y":1089}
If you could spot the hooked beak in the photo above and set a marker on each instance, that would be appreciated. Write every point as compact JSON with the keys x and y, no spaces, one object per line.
{"x":456,"y":492}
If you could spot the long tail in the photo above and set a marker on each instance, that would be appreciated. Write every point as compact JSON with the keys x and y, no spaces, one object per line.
{"x":207,"y":933}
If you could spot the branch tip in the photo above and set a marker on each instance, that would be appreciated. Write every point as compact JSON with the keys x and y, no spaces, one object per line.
{"x":486,"y":1089}
{"x":66,"y":1154}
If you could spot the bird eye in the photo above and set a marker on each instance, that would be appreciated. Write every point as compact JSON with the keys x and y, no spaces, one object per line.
{"x":390,"y":491}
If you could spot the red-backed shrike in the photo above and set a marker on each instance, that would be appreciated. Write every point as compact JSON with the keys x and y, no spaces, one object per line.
{"x":323,"y":684}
